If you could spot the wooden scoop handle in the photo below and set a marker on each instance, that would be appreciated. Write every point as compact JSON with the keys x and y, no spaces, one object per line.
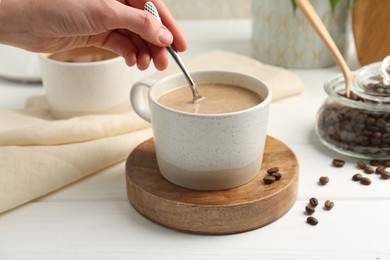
{"x":315,"y":21}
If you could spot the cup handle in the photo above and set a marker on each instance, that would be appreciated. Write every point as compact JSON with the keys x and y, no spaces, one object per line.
{"x":137,"y":98}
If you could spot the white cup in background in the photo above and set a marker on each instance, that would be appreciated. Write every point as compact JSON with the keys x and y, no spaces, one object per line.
{"x":83,"y":88}
{"x":18,"y":64}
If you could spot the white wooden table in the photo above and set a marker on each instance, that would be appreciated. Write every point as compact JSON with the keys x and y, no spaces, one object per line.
{"x":92,"y":219}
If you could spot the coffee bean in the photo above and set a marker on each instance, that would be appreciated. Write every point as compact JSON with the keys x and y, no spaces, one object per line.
{"x":357,"y":177}
{"x":386,"y":163}
{"x":310,"y":209}
{"x":277,"y":175}
{"x":375,"y":162}
{"x":269,"y":179}
{"x":370,"y":121}
{"x":365,"y":181}
{"x":385,"y":175}
{"x":369,"y":170}
{"x":313,"y":202}
{"x":312,"y":221}
{"x":329,"y":204}
{"x":380,"y":169}
{"x":272,"y":170}
{"x":323,"y":180}
{"x":338,"y":163}
{"x":361,"y":164}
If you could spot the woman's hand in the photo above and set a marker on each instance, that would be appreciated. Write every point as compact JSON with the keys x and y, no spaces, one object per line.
{"x":117,"y":25}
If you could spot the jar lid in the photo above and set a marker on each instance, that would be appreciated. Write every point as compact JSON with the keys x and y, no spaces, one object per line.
{"x":372,"y":82}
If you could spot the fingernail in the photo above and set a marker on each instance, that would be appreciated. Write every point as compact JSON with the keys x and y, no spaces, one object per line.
{"x":165,"y":36}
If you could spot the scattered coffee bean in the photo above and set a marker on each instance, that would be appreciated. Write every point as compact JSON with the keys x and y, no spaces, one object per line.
{"x":369,"y":170}
{"x":375,"y":162}
{"x":312,"y":220}
{"x":272,"y":170}
{"x":380,"y":169}
{"x":277,"y":175}
{"x":324,"y":180}
{"x":365,"y":181}
{"x":386,"y":163}
{"x":310,"y":209}
{"x":313,"y":202}
{"x":357,"y":177}
{"x":338,"y":163}
{"x":269,"y":179}
{"x":329,"y":204}
{"x":385,"y":175}
{"x":361,"y":165}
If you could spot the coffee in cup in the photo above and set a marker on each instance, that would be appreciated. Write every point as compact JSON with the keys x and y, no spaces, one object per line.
{"x":212,"y":147}
{"x":221,"y":98}
{"x":83,"y":54}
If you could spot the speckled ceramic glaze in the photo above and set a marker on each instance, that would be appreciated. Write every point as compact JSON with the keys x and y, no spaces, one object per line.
{"x":74,"y":89}
{"x":206,"y":152}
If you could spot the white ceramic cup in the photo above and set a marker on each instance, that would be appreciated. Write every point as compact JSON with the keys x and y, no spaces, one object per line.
{"x":84,"y":88}
{"x":205,"y":151}
{"x":18,"y":64}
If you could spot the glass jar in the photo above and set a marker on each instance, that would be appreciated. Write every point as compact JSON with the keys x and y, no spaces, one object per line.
{"x":358,"y":126}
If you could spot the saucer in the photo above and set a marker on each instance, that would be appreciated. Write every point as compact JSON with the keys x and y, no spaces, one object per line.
{"x":240,"y":209}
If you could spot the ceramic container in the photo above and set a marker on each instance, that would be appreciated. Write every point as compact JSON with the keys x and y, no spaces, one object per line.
{"x":84,"y":88}
{"x":18,"y":64}
{"x":282,"y":36}
{"x":206,"y":151}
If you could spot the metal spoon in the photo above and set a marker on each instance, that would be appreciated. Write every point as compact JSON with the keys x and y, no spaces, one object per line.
{"x":150,"y":8}
{"x":312,"y":16}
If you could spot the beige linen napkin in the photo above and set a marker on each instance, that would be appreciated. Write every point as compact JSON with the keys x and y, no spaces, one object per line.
{"x":39,"y":154}
{"x":282,"y":82}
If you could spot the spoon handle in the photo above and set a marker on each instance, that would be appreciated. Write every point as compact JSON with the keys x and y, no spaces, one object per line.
{"x":179,"y":62}
{"x":149,"y":7}
{"x":315,"y":21}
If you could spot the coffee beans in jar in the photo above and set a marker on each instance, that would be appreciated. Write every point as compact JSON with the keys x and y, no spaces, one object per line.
{"x":356,"y":130}
{"x":357,"y":126}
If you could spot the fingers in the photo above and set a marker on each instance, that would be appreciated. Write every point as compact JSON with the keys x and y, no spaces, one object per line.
{"x":117,"y":43}
{"x":146,"y":26}
{"x":159,"y":56}
{"x":132,"y":48}
{"x":168,"y":20}
{"x":137,"y":35}
{"x":143,"y":54}
{"x":138,"y":21}
{"x":179,"y":43}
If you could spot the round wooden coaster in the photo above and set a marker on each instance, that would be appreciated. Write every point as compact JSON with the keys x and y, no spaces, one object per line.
{"x":240,"y":209}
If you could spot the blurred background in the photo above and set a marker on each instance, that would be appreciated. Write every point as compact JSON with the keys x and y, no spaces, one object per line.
{"x":209,"y":9}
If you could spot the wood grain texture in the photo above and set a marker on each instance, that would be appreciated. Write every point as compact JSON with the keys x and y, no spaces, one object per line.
{"x":371,"y":30}
{"x":240,"y":209}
